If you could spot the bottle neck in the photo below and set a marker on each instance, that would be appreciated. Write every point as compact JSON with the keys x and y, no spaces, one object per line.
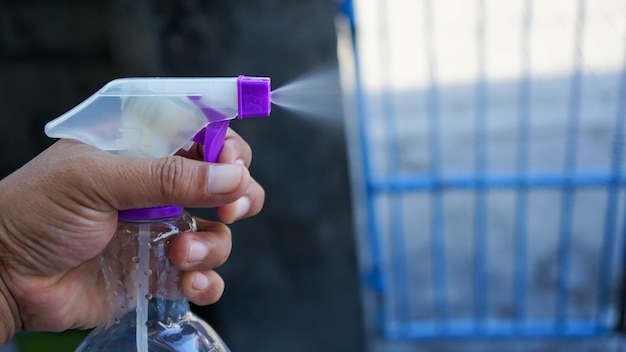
{"x":150,"y":213}
{"x":138,"y":272}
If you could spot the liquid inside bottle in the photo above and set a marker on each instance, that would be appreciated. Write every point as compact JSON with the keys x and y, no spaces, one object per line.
{"x":148,"y":309}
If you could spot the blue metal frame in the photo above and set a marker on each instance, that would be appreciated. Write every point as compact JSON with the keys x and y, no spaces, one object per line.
{"x":434,"y":183}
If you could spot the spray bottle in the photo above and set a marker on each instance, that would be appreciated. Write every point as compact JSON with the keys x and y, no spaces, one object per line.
{"x":155,"y":117}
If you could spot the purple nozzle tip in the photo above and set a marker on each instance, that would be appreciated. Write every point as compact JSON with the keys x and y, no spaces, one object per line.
{"x":254,"y":96}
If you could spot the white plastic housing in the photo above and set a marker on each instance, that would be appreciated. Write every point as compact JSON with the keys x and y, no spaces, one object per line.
{"x":148,"y":117}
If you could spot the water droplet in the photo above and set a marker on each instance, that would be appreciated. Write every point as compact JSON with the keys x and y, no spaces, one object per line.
{"x":168,"y":270}
{"x":123,"y":307}
{"x":148,"y":296}
{"x":149,"y":323}
{"x":148,"y":272}
{"x":160,"y":258}
{"x":115,"y":293}
{"x":120,"y":283}
{"x":135,"y":259}
{"x":116,"y":321}
{"x":138,"y":284}
{"x":130,"y":296}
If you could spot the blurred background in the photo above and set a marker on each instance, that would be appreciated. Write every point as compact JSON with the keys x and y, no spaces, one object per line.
{"x":486,"y":140}
{"x":471,"y":197}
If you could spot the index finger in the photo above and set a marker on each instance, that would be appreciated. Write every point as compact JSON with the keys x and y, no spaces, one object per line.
{"x":196,"y":152}
{"x":235,"y":150}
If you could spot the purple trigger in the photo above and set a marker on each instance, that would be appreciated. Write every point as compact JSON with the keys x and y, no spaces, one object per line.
{"x":212,"y":138}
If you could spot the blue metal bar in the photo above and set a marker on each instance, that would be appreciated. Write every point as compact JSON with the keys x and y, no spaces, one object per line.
{"x":465,"y":329}
{"x":399,"y":276}
{"x":387,"y":310}
{"x":426,"y":182}
{"x":363,"y":133}
{"x":436,"y":199}
{"x":610,"y":222}
{"x":481,"y":287}
{"x":347,"y":8}
{"x":569,"y":167}
{"x":523,"y":165}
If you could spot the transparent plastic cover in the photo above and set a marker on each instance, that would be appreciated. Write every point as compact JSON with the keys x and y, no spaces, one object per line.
{"x":148,"y":117}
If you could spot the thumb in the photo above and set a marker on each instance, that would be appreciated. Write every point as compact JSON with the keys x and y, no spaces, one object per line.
{"x":140,"y":183}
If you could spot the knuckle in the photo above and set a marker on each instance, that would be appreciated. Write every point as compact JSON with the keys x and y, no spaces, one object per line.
{"x":261,"y":196}
{"x":167,"y":172}
{"x":247,"y":151}
{"x":240,"y":150}
{"x":258,"y":200}
{"x":223,"y":246}
{"x":209,"y":295}
{"x":216,"y":289}
{"x":247,"y":154}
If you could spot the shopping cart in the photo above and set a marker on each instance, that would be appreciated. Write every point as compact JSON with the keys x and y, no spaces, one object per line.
{"x":487,"y":143}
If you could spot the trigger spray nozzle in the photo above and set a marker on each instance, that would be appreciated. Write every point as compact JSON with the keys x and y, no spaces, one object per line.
{"x":253,"y":100}
{"x":156,"y":117}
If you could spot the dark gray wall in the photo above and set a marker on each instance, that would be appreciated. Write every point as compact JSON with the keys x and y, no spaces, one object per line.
{"x":291,"y":282}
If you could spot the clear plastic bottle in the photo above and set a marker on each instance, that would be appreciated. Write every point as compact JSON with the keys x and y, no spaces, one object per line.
{"x":148,"y":309}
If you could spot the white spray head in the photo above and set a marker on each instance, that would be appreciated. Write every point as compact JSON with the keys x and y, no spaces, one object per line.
{"x":155,"y":117}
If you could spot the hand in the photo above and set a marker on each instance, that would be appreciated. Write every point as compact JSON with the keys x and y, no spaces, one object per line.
{"x":60,"y":210}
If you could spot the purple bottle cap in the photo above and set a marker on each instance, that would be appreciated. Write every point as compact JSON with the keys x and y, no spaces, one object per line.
{"x":254,"y":96}
{"x":150,"y":213}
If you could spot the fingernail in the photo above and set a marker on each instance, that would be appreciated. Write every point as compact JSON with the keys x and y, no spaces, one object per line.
{"x":200,"y":282}
{"x":242,"y":206}
{"x":197,"y":251}
{"x":223,"y":178}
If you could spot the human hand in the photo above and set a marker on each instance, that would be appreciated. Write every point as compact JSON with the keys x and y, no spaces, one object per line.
{"x":60,"y":210}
